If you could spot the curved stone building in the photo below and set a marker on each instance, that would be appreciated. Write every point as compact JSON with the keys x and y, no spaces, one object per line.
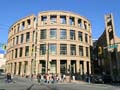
{"x":54,"y":42}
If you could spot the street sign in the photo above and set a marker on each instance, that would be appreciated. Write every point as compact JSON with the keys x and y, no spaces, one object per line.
{"x":113,"y":46}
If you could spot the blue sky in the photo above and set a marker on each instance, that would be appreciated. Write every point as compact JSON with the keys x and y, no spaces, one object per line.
{"x":94,"y":10}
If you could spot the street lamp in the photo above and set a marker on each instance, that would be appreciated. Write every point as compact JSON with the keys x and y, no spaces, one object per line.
{"x":47,"y":62}
{"x":69,"y":73}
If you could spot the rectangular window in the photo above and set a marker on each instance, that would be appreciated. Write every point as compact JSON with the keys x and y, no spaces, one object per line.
{"x":80,"y":23}
{"x":35,"y":23}
{"x":73,"y":49}
{"x":22,"y":38}
{"x":53,"y":34}
{"x":53,"y":49}
{"x":80,"y":38}
{"x":20,"y":53}
{"x":23,"y":26}
{"x":53,"y":19}
{"x":63,"y":19}
{"x":87,"y":51}
{"x":63,"y":34}
{"x":71,"y":21}
{"x":81,"y":50}
{"x":29,"y":23}
{"x":86,"y":38}
{"x":85,"y":25}
{"x":18,"y":29}
{"x":42,"y":49}
{"x":44,"y":19}
{"x":27,"y":51}
{"x":27,"y":36}
{"x":72,"y":34}
{"x":17,"y":39}
{"x":63,"y":49}
{"x":16,"y":51}
{"x":43,"y":34}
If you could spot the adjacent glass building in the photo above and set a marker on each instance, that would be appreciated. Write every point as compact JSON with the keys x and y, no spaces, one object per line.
{"x":52,"y":42}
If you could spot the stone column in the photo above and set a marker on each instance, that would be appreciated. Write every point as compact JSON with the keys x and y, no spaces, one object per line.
{"x":23,"y":52}
{"x":17,"y":68}
{"x":22,"y":68}
{"x":89,"y":67}
{"x":37,"y":67}
{"x":48,"y":34}
{"x":40,"y":67}
{"x":85,"y":67}
{"x":58,"y":19}
{"x":87,"y":26}
{"x":24,"y":38}
{"x":77,"y":50}
{"x":48,"y":19}
{"x":13,"y":67}
{"x":32,"y":22}
{"x":18,"y":52}
{"x":84,"y":53}
{"x":68,"y":34}
{"x":77,"y":66}
{"x":76,"y":22}
{"x":81,"y":69}
{"x":26,"y":24}
{"x":29,"y":68}
{"x":68,"y":49}
{"x":83,"y":24}
{"x":68,"y":65}
{"x":31,"y":37}
{"x":8,"y":67}
{"x":67,"y":20}
{"x":58,"y":66}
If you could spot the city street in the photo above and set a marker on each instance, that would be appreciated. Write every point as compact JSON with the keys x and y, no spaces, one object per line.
{"x":26,"y":84}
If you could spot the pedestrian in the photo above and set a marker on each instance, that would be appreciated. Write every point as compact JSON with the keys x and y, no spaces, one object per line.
{"x":42,"y":78}
{"x":38,"y":77}
{"x":8,"y":77}
{"x":64,"y":77}
{"x":31,"y":77}
{"x":73,"y":77}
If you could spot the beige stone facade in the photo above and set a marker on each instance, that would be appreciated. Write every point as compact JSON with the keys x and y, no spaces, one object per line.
{"x":53,"y":42}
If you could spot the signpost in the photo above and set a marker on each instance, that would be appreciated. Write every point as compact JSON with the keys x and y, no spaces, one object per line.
{"x":113,"y":46}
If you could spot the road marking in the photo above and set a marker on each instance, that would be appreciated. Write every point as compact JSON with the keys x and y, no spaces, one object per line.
{"x":95,"y":86}
{"x":30,"y":87}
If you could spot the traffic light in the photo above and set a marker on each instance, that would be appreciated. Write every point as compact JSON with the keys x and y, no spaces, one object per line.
{"x":4,"y":47}
{"x":99,"y":50}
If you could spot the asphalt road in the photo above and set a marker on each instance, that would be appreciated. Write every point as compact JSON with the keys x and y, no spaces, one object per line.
{"x":72,"y":86}
{"x":27,"y":84}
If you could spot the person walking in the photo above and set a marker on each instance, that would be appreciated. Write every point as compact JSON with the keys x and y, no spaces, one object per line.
{"x":8,"y":76}
{"x":38,"y":77}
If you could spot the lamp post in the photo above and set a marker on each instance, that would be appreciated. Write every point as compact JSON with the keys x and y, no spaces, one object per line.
{"x":69,"y":74}
{"x":47,"y":62}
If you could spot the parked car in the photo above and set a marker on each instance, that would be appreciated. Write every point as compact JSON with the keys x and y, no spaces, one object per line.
{"x":107,"y":79}
{"x":97,"y":79}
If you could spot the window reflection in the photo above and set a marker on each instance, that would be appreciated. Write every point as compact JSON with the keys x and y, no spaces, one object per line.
{"x":63,"y":19}
{"x":53,"y":33}
{"x":52,"y":49}
{"x":62,"y":34}
{"x":72,"y":34}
